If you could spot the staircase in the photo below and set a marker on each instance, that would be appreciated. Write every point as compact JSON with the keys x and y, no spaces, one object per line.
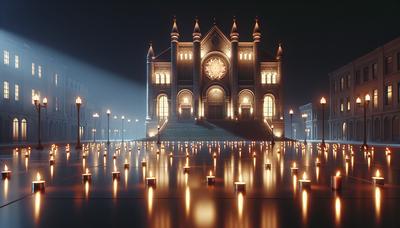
{"x":219,"y":130}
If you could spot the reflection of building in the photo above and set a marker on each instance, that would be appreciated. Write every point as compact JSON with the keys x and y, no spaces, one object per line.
{"x":377,"y":74}
{"x":25,"y":71}
{"x":313,"y":122}
{"x":214,"y":77}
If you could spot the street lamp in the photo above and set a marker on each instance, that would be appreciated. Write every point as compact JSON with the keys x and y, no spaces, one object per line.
{"x":78,"y":102}
{"x":291,"y":122}
{"x":158,"y":134}
{"x":323,"y":103}
{"x":38,"y":108}
{"x":304,"y":116}
{"x":122,"y":130}
{"x":367,"y":99}
{"x":95,"y":116}
{"x":108,"y":112}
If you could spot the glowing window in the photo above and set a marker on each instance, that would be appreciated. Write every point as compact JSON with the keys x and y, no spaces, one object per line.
{"x":215,"y":68}
{"x":15,"y":129}
{"x":162,"y":107}
{"x":348,"y":104}
{"x":6,"y":57}
{"x":268,"y":77}
{"x":23,"y":129}
{"x":33,"y":68}
{"x":341,"y":106}
{"x":375,"y":98}
{"x":6,"y":90}
{"x":158,"y":78}
{"x":269,"y":106}
{"x":40,"y":71}
{"x":241,"y":56}
{"x":16,"y":62}
{"x":263,"y":78}
{"x":249,"y":56}
{"x":163,"y":78}
{"x":388,"y":94}
{"x":16,"y":94}
{"x":167,"y":79}
{"x":56,"y":80}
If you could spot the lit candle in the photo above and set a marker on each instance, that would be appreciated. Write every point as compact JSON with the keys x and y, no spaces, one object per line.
{"x":210,"y":179}
{"x":126,"y":164}
{"x":240,"y":186}
{"x":378,"y":179}
{"x":6,"y":174}
{"x":305,"y":183}
{"x":27,"y":154}
{"x":38,"y":185}
{"x":268,"y":165}
{"x":186,"y":168}
{"x":84,"y":155}
{"x":294,"y":169}
{"x":116,"y":175}
{"x":387,"y":151}
{"x":214,"y":155}
{"x":150,"y":180}
{"x":144,"y":163}
{"x":87,"y":176}
{"x":347,"y":158}
{"x":171,"y":155}
{"x":52,"y":161}
{"x":317,"y":162}
{"x":114,"y":156}
{"x":336,"y":181}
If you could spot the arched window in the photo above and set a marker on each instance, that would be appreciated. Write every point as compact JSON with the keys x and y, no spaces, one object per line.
{"x":269,"y":106}
{"x":162,"y":107}
{"x":15,"y":129}
{"x":344,"y":131}
{"x":23,"y":129}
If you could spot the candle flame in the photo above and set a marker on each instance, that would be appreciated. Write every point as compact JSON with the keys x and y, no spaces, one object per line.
{"x":304,"y":176}
{"x":294,"y":164}
{"x":87,"y":171}
{"x":38,"y":176}
{"x":5,"y":168}
{"x":338,"y":173}
{"x":126,"y":161}
{"x":210,"y":173}
{"x":378,"y":174}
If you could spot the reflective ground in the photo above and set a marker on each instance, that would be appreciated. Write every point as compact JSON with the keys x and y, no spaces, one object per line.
{"x":273,"y":198}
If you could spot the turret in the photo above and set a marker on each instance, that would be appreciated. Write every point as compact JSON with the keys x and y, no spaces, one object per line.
{"x":257,"y":73}
{"x":234,"y":32}
{"x":256,"y":32}
{"x":234,"y":68}
{"x":279,"y":52}
{"x":196,"y":31}
{"x":150,"y":53}
{"x":196,"y":67}
{"x":149,"y":89}
{"x":174,"y":32}
{"x":174,"y":69}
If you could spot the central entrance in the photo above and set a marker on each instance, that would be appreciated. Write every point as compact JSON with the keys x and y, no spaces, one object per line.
{"x":215,"y":103}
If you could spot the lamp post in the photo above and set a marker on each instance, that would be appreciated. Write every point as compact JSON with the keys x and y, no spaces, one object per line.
{"x":158,"y":134}
{"x":291,"y":122}
{"x":95,"y":116}
{"x":115,"y":130}
{"x":108,"y":112}
{"x":273,"y":136}
{"x":78,"y":102}
{"x":122,"y":128}
{"x":39,"y":106}
{"x":323,"y":103}
{"x":367,"y":99}
{"x":304,"y":116}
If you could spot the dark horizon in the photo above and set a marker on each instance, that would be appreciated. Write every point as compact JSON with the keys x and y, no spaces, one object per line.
{"x":114,"y":37}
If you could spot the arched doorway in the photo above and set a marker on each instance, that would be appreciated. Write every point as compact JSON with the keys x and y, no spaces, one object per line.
{"x":215,"y":108}
{"x":246,"y":104}
{"x":185,"y":104}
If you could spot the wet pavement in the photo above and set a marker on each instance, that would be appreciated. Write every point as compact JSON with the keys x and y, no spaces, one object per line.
{"x":272,"y":197}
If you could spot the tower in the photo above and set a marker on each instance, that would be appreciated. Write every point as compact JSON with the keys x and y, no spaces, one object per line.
{"x":196,"y":66}
{"x":174,"y":56}
{"x":256,"y":67}
{"x":149,"y":86}
{"x":234,"y":65}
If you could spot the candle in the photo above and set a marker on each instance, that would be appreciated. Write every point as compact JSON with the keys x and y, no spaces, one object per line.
{"x":336,"y":181}
{"x":27,"y":154}
{"x":317,"y":162}
{"x":105,"y":154}
{"x":52,"y":161}
{"x":114,"y":156}
{"x":6,"y":174}
{"x":240,"y":186}
{"x":254,"y":154}
{"x":84,"y":155}
{"x":126,"y":164}
{"x":171,"y":155}
{"x":38,"y":185}
{"x":305,"y":183}
{"x":268,"y":165}
{"x":186,"y":168}
{"x":294,"y":169}
{"x":150,"y":180}
{"x":116,"y":175}
{"x":87,"y":177}
{"x":347,"y":159}
{"x":378,"y":179}
{"x":210,"y":179}
{"x":214,"y":155}
{"x":144,"y":163}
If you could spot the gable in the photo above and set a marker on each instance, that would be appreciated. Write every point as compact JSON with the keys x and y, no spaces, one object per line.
{"x":215,"y":40}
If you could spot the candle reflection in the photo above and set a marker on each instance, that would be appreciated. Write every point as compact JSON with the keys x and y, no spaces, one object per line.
{"x":5,"y":188}
{"x":115,"y":188}
{"x":37,"y":205}
{"x":317,"y":173}
{"x":240,"y":201}
{"x":378,"y":202}
{"x":304,"y":201}
{"x":126,"y":178}
{"x":150,"y":199}
{"x":87,"y":189}
{"x":26,"y":163}
{"x":187,"y":200}
{"x":338,"y":207}
{"x":294,"y":183}
{"x":51,"y":171}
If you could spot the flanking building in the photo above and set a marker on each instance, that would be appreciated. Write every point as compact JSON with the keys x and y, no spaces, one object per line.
{"x":25,"y":71}
{"x":214,"y":77}
{"x":376,"y":73}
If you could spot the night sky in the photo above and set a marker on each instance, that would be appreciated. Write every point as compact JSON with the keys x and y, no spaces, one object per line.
{"x":114,"y":36}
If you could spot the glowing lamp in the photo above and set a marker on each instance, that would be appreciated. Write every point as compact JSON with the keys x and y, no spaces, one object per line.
{"x":304,"y":182}
{"x":291,"y":112}
{"x":210,"y":179}
{"x":294,"y":170}
{"x":358,"y":100}
{"x":378,"y":179}
{"x":322,"y":101}
{"x":38,"y":185}
{"x":6,"y":174}
{"x":44,"y":101}
{"x":87,"y":176}
{"x":367,"y":97}
{"x":78,"y":100}
{"x":336,"y":181}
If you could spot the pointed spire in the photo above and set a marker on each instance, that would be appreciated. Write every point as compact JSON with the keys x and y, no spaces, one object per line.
{"x":279,"y":52}
{"x":234,"y":32}
{"x":196,"y":31}
{"x":150,"y":52}
{"x":174,"y":31}
{"x":256,"y":31}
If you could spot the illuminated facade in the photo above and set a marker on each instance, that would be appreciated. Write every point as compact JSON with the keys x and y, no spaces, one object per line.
{"x":377,"y":74}
{"x":25,"y":73}
{"x":214,"y":77}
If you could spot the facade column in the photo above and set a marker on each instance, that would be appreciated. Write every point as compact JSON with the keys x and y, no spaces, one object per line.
{"x":256,"y":70}
{"x":234,"y":70}
{"x":174,"y":71}
{"x":196,"y":68}
{"x":149,"y":87}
